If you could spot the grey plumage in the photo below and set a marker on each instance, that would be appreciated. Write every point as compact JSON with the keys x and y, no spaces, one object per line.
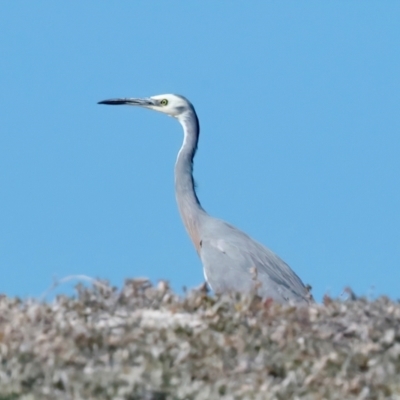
{"x":232,"y":261}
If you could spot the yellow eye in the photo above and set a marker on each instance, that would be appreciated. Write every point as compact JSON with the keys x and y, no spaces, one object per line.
{"x":164,"y":102}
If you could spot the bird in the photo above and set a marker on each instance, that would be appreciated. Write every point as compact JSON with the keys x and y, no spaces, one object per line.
{"x":232,"y":261}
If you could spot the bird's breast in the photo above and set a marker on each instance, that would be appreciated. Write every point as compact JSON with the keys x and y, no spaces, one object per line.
{"x":192,"y":228}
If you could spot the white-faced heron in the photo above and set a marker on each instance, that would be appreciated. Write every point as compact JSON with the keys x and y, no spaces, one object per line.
{"x":232,"y":261}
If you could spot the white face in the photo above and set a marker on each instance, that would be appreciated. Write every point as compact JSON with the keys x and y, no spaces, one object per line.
{"x":170,"y":104}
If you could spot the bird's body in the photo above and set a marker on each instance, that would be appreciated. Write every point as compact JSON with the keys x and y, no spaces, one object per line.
{"x":232,"y":261}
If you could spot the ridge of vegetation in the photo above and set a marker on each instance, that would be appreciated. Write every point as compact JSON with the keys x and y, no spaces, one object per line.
{"x":146,"y":342}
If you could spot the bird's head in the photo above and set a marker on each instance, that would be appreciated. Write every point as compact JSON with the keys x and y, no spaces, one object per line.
{"x":170,"y":104}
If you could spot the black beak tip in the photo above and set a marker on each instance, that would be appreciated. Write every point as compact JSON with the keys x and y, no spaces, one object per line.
{"x":115,"y":102}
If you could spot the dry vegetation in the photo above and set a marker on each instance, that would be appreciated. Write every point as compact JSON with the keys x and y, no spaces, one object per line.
{"x":145,"y":342}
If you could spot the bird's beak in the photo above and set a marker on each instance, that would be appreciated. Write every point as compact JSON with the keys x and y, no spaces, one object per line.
{"x":147,"y":102}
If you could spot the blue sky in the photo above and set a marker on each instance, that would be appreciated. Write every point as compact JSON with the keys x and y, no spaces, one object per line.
{"x":299,"y":110}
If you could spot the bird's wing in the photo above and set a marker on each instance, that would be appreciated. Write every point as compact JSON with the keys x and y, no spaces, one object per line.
{"x":241,"y":264}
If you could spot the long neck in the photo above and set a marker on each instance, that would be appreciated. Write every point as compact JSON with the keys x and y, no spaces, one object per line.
{"x":188,"y":203}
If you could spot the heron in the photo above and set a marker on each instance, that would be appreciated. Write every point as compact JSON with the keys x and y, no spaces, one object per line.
{"x":232,"y":260}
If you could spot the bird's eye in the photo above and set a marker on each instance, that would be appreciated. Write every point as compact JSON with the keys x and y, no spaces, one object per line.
{"x":164,"y":102}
